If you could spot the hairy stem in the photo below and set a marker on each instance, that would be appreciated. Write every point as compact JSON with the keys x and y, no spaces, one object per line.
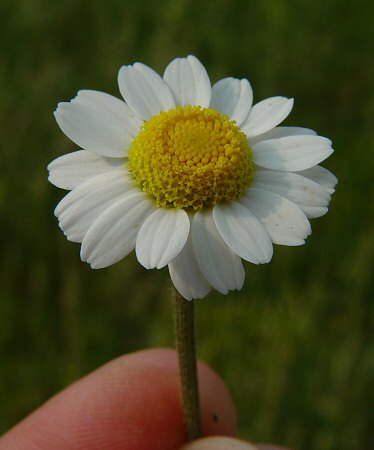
{"x":185,"y":344}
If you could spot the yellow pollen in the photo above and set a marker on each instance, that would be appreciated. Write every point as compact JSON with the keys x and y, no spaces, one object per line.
{"x":191,"y":158}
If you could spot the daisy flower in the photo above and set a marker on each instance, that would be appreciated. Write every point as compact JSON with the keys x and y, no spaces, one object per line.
{"x":191,"y":176}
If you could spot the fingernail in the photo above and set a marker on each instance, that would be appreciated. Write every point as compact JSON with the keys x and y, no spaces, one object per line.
{"x":218,"y":443}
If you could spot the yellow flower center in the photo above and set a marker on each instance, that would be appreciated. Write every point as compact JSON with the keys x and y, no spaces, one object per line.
{"x":191,"y":158}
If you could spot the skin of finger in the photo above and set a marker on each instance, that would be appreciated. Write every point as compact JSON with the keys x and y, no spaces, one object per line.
{"x":132,"y":403}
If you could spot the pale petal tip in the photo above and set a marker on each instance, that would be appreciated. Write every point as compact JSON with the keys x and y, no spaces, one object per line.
{"x":94,"y":264}
{"x":52,"y":179}
{"x":267,"y":256}
{"x":186,"y":296}
{"x":192,"y":58}
{"x":122,"y":71}
{"x":289,"y":104}
{"x":60,"y":113}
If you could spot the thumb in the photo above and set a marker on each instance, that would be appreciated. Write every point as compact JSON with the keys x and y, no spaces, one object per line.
{"x":219,"y":443}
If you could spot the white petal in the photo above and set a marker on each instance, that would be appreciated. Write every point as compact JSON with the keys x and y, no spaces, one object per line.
{"x":83,"y":205}
{"x":305,"y":193}
{"x":312,"y":212}
{"x":68,"y":171}
{"x":129,"y":121}
{"x":112,"y":236}
{"x":292,"y":153}
{"x":283,"y":220}
{"x":220,"y":266}
{"x":232,"y":97}
{"x":189,"y":81}
{"x":243,"y":233}
{"x":321,"y":176}
{"x":144,"y":90}
{"x":98,"y":122}
{"x":266,"y":115}
{"x":162,"y":237}
{"x":279,"y":132}
{"x":186,"y":274}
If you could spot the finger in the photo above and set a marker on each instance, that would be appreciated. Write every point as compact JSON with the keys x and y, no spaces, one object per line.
{"x":132,"y":403}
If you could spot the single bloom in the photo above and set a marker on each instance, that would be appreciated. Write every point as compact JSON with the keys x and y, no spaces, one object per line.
{"x":191,"y":176}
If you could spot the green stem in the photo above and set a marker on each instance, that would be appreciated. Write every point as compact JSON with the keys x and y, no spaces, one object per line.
{"x":185,"y":344}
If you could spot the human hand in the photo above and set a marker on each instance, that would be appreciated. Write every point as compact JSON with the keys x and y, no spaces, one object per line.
{"x":131,"y":403}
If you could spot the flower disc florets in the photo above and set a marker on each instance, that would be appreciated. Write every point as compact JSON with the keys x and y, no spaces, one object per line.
{"x":191,"y":158}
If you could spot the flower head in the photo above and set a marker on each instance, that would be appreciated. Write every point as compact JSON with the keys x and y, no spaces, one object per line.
{"x":189,"y":175}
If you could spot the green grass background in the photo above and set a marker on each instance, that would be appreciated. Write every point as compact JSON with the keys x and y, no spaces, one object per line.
{"x":295,"y":345}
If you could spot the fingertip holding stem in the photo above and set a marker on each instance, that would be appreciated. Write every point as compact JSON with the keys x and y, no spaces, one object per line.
{"x":132,"y":402}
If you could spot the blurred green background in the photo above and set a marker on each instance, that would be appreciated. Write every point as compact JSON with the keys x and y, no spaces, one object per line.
{"x":295,"y":345}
